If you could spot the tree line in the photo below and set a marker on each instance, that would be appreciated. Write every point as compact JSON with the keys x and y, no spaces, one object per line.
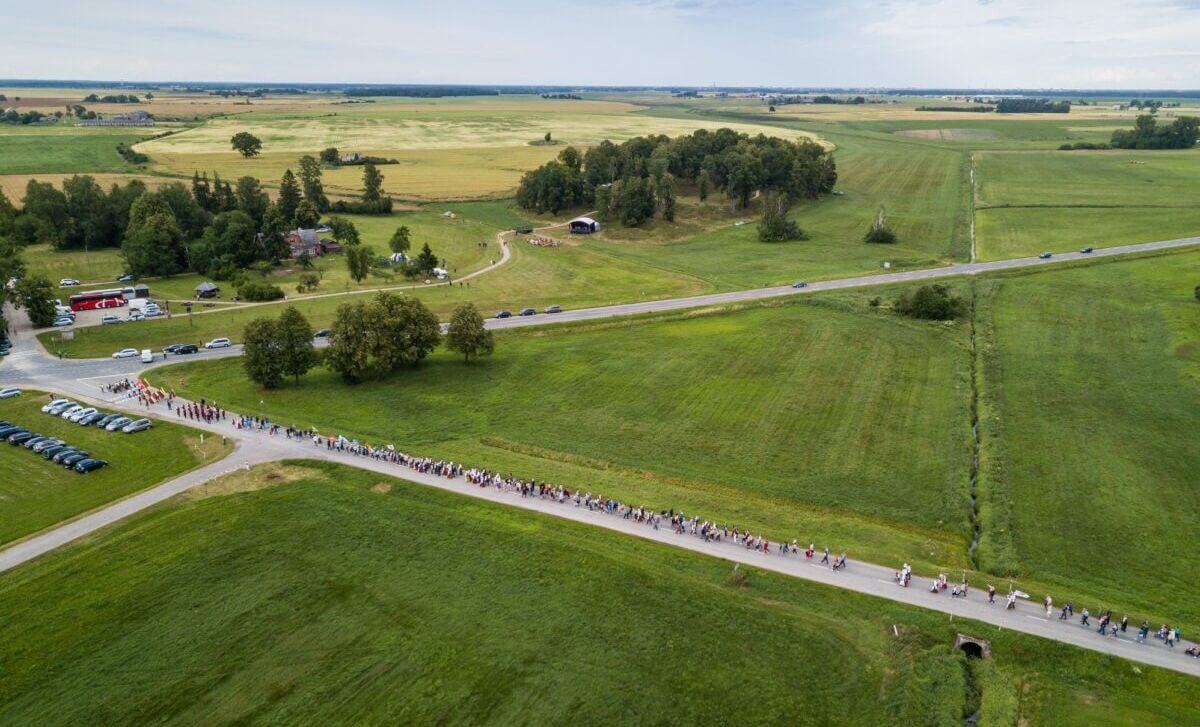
{"x":1032,"y":106}
{"x":632,"y":181}
{"x":372,"y":337}
{"x":1147,"y":133}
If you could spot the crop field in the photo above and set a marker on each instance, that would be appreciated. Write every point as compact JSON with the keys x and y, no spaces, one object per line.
{"x":341,"y":596}
{"x":13,"y":185}
{"x":772,"y":417}
{"x":1058,"y":201}
{"x":444,"y":151}
{"x":69,"y":150}
{"x":1092,"y":403}
{"x":35,"y":493}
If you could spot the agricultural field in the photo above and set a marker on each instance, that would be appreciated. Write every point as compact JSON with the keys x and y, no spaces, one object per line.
{"x":36,"y":494}
{"x":343,"y":596}
{"x":759,"y":416}
{"x":1029,"y":202}
{"x":1092,"y":400}
{"x":27,"y":150}
{"x":13,"y":185}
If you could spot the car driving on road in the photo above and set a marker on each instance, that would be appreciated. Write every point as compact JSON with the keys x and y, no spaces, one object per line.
{"x":528,"y":312}
{"x":800,"y":284}
{"x":553,"y":309}
{"x":504,"y":314}
{"x":1086,"y":251}
{"x":219,"y":343}
{"x":1045,"y":256}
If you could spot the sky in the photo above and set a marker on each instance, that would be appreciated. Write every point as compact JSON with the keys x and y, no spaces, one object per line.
{"x":820,"y":43}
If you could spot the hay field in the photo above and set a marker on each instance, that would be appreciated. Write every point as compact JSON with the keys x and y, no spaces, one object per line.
{"x":446,"y":151}
{"x":13,"y":185}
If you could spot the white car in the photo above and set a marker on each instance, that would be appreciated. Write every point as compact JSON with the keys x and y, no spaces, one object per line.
{"x":136,"y":315}
{"x":219,"y":343}
{"x":117,"y":423}
{"x":147,"y":355}
{"x":9,"y":392}
{"x":67,"y":411}
{"x":75,"y":417}
{"x":62,"y":321}
{"x":126,"y":353}
{"x":152,"y":311}
{"x":56,"y":404}
{"x":109,"y":319}
{"x":68,"y":282}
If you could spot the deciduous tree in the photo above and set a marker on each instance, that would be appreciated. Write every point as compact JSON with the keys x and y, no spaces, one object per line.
{"x":467,"y":334}
{"x":296,"y":352}
{"x":261,"y":353}
{"x":400,"y":242}
{"x":358,"y":261}
{"x":247,"y":144}
{"x":372,"y":183}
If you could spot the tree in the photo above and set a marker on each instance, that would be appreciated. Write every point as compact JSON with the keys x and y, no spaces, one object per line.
{"x":349,"y":351}
{"x":155,"y":246}
{"x":743,"y":175}
{"x":201,"y":191}
{"x":467,"y":334}
{"x":400,"y":242}
{"x":296,"y":352}
{"x":274,"y":227}
{"x":930,"y":302}
{"x":880,"y":232}
{"x":372,"y":184}
{"x":358,"y":261}
{"x":246,"y":143}
{"x":310,"y":179}
{"x":251,"y":199}
{"x":308,"y":282}
{"x":47,"y":208}
{"x":775,"y":225}
{"x":261,"y":353}
{"x":306,"y":216}
{"x":289,"y":196}
{"x":665,"y":191}
{"x":547,"y":137}
{"x":36,"y":296}
{"x":229,"y":243}
{"x":703,"y":182}
{"x":404,"y":331}
{"x":426,"y":261}
{"x":343,"y":230}
{"x":329,"y":155}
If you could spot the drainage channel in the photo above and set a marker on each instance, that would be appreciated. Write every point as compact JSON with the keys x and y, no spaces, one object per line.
{"x":973,"y":480}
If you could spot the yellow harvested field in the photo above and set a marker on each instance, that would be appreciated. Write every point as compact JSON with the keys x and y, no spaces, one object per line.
{"x":14,"y":184}
{"x":443,"y":152}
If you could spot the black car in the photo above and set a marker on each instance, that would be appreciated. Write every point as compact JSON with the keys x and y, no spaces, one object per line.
{"x":91,"y":418}
{"x":1045,"y":256}
{"x":70,"y":460}
{"x":49,"y":452}
{"x":60,"y":456}
{"x":186,"y":348}
{"x":323,"y":333}
{"x":104,"y":420}
{"x":21,"y":437}
{"x":172,"y":348}
{"x":87,"y":465}
{"x":1086,"y":250}
{"x":528,"y":312}
{"x":11,"y":429}
{"x":504,"y":314}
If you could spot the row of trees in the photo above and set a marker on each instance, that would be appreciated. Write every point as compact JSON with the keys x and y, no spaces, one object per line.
{"x":1032,"y":106}
{"x":632,"y":181}
{"x":377,"y":336}
{"x":1147,"y":133}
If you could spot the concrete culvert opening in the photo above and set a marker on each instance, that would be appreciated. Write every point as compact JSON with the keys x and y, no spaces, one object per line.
{"x":977,"y":648}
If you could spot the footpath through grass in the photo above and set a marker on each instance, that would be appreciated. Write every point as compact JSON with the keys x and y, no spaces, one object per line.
{"x":1090,"y":412}
{"x":341,"y":596}
{"x":829,"y":421}
{"x":36,"y":493}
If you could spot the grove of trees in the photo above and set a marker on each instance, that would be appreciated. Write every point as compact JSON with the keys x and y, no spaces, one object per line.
{"x":1147,"y":133}
{"x":275,"y":348}
{"x":381,"y":335}
{"x":930,"y":302}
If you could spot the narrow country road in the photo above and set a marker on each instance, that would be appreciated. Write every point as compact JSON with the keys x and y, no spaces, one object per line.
{"x":29,"y":365}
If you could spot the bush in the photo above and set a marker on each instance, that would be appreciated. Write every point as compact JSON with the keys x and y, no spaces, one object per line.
{"x":880,"y":233}
{"x":131,"y":156}
{"x":380,"y":207}
{"x":260,"y":292}
{"x":931,"y":303}
{"x":775,"y":226}
{"x":1083,"y":145}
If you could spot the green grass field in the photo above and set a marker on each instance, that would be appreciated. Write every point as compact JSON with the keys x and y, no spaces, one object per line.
{"x":1092,"y":400}
{"x":68,"y":150}
{"x":92,"y":265}
{"x":341,"y":596}
{"x":815,"y":420}
{"x":1029,"y":202}
{"x":36,"y":494}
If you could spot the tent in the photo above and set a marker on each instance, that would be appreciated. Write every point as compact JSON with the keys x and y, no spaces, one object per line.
{"x":207,"y":290}
{"x":584,"y":226}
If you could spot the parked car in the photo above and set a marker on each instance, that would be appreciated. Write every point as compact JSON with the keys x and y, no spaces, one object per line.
{"x":117,"y":423}
{"x":109,"y":320}
{"x":135,"y":316}
{"x":49,"y":452}
{"x":21,"y":437}
{"x":9,"y":392}
{"x":70,"y":460}
{"x":91,"y":418}
{"x":1045,"y":256}
{"x":6,"y":432}
{"x":28,"y":443}
{"x":46,"y":443}
{"x":800,"y":284}
{"x":62,"y":321}
{"x":219,"y":343}
{"x":323,"y":333}
{"x":89,"y":465}
{"x":104,"y":420}
{"x":69,"y":451}
{"x":554,"y":309}
{"x":55,"y":403}
{"x":504,"y":314}
{"x":186,"y":348}
{"x":126,"y":278}
{"x":152,"y":312}
{"x":79,"y":414}
{"x":140,"y":425}
{"x":147,"y":356}
{"x":58,"y":407}
{"x":1086,"y":251}
{"x":67,"y":411}
{"x":528,"y":312}
{"x":67,"y":282}
{"x":126,"y":353}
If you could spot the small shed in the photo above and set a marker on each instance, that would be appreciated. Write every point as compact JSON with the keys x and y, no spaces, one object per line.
{"x":207,"y":290}
{"x":584,"y":226}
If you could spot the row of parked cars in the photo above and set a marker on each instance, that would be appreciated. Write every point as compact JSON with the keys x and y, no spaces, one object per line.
{"x":150,"y":310}
{"x":177,"y":349}
{"x":52,"y":448}
{"x":91,"y":416}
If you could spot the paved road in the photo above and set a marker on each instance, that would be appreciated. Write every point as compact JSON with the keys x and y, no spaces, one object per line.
{"x":82,"y":379}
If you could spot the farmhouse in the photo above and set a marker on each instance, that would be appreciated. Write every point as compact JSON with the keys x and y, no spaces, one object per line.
{"x":133,"y":118}
{"x":351,"y":158}
{"x":307,"y":242}
{"x":584,"y":226}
